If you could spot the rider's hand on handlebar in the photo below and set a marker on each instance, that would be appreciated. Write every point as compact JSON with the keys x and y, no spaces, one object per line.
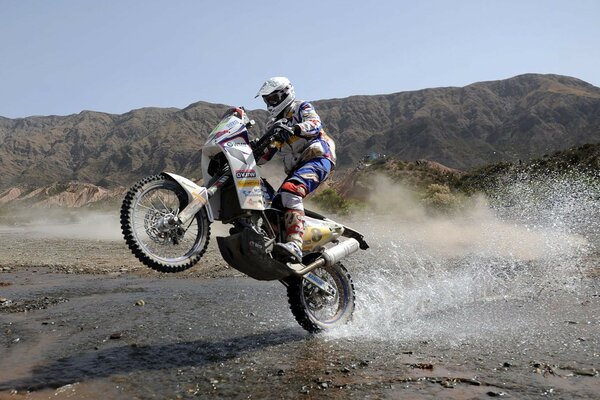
{"x":281,"y":135}
{"x":282,"y":132}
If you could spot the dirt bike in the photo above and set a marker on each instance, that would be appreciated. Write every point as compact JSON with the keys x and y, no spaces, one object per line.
{"x":166,"y":220}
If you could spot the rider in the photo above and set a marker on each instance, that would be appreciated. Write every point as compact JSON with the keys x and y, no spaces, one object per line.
{"x":308,"y":155}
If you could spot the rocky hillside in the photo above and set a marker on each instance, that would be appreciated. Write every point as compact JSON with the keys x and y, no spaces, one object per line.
{"x":69,"y":195}
{"x":104,"y":149}
{"x":518,"y":118}
{"x":577,"y":163}
{"x":357,"y":183}
{"x":508,"y":120}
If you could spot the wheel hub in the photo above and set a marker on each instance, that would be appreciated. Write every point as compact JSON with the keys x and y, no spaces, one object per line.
{"x":163,"y":228}
{"x":318,"y":299}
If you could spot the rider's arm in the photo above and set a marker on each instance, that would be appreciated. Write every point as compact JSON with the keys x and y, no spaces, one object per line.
{"x":310,"y":122}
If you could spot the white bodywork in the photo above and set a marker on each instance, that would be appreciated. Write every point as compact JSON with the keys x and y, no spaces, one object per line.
{"x":230,"y":137}
{"x":195,"y":192}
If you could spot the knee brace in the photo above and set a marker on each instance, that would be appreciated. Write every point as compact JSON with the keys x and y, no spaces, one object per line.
{"x":292,"y":194}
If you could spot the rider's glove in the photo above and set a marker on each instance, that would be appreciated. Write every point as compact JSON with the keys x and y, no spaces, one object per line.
{"x":297,"y":130}
{"x":281,"y":135}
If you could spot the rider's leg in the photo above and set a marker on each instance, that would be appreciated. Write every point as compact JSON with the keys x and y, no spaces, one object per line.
{"x":291,"y":198}
{"x":305,"y":179}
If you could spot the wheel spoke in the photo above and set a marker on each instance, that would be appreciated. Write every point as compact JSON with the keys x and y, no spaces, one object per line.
{"x":167,"y":243}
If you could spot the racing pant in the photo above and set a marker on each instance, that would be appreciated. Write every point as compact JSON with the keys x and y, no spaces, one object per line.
{"x":303,"y":180}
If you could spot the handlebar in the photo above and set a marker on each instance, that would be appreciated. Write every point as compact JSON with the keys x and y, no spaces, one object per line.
{"x":268,"y":138}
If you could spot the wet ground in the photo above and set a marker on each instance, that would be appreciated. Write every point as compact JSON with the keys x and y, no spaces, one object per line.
{"x":81,"y":318}
{"x":121,"y":336}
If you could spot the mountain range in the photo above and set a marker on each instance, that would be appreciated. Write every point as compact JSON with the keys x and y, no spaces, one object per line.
{"x":507,"y":120}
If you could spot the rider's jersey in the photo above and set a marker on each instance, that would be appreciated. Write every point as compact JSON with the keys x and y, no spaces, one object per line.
{"x":312,"y":142}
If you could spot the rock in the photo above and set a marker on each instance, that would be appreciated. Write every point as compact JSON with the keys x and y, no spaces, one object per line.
{"x":3,"y":300}
{"x":470,"y":381}
{"x":495,"y":394}
{"x":305,"y":390}
{"x":66,"y":388}
{"x":585,"y":371}
{"x":140,"y":303}
{"x":448,"y":384}
{"x":346,"y":370}
{"x":422,"y":366}
{"x":507,"y":365}
{"x":116,"y":335}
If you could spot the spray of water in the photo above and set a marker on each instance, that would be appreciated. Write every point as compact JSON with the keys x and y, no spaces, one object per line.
{"x":530,"y":240}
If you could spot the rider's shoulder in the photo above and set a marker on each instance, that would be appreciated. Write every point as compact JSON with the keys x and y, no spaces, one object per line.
{"x":302,"y":105}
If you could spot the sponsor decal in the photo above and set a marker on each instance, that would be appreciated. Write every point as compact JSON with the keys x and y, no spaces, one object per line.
{"x":316,"y":235}
{"x":235,"y":144}
{"x":245,"y":173}
{"x":252,"y":201}
{"x":252,"y":192}
{"x":248,"y":183}
{"x":231,"y":124}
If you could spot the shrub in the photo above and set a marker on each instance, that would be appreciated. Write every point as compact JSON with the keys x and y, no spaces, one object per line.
{"x":439,"y":198}
{"x":329,"y":200}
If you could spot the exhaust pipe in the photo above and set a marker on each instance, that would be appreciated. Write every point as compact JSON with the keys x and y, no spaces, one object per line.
{"x":332,"y":256}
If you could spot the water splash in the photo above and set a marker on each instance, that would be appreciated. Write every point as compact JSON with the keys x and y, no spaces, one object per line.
{"x":531,"y":240}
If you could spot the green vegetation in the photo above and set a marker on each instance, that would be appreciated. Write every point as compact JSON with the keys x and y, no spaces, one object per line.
{"x":329,"y":200}
{"x":440,"y":199}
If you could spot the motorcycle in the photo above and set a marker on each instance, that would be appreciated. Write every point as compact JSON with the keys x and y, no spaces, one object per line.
{"x":166,"y":218}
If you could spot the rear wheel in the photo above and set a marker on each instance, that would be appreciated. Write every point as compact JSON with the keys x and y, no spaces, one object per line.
{"x":316,"y":310}
{"x":147,"y":216}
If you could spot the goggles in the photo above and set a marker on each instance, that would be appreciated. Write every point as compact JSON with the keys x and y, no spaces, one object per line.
{"x":273,"y":99}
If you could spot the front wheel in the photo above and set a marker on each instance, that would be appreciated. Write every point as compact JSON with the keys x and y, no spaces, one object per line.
{"x":147,"y":209}
{"x":316,"y":310}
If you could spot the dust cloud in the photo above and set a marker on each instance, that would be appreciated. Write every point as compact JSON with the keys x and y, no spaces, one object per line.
{"x":63,"y":223}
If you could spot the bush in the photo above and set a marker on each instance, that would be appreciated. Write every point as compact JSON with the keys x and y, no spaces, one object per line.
{"x":440,"y":198}
{"x":329,"y":200}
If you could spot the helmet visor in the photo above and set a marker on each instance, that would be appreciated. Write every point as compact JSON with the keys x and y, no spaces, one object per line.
{"x":272,"y":99}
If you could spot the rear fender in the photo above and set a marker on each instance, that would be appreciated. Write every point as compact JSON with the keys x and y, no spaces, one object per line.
{"x":196,"y":194}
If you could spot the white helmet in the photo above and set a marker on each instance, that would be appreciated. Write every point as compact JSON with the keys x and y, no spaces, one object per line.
{"x":278,"y":93}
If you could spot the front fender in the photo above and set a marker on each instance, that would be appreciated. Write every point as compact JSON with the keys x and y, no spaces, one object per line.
{"x":193,"y":191}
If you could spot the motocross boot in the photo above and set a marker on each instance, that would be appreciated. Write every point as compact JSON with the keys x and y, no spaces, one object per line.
{"x":294,"y":227}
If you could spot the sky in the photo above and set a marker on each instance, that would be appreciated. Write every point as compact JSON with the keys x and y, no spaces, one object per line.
{"x":60,"y":57}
